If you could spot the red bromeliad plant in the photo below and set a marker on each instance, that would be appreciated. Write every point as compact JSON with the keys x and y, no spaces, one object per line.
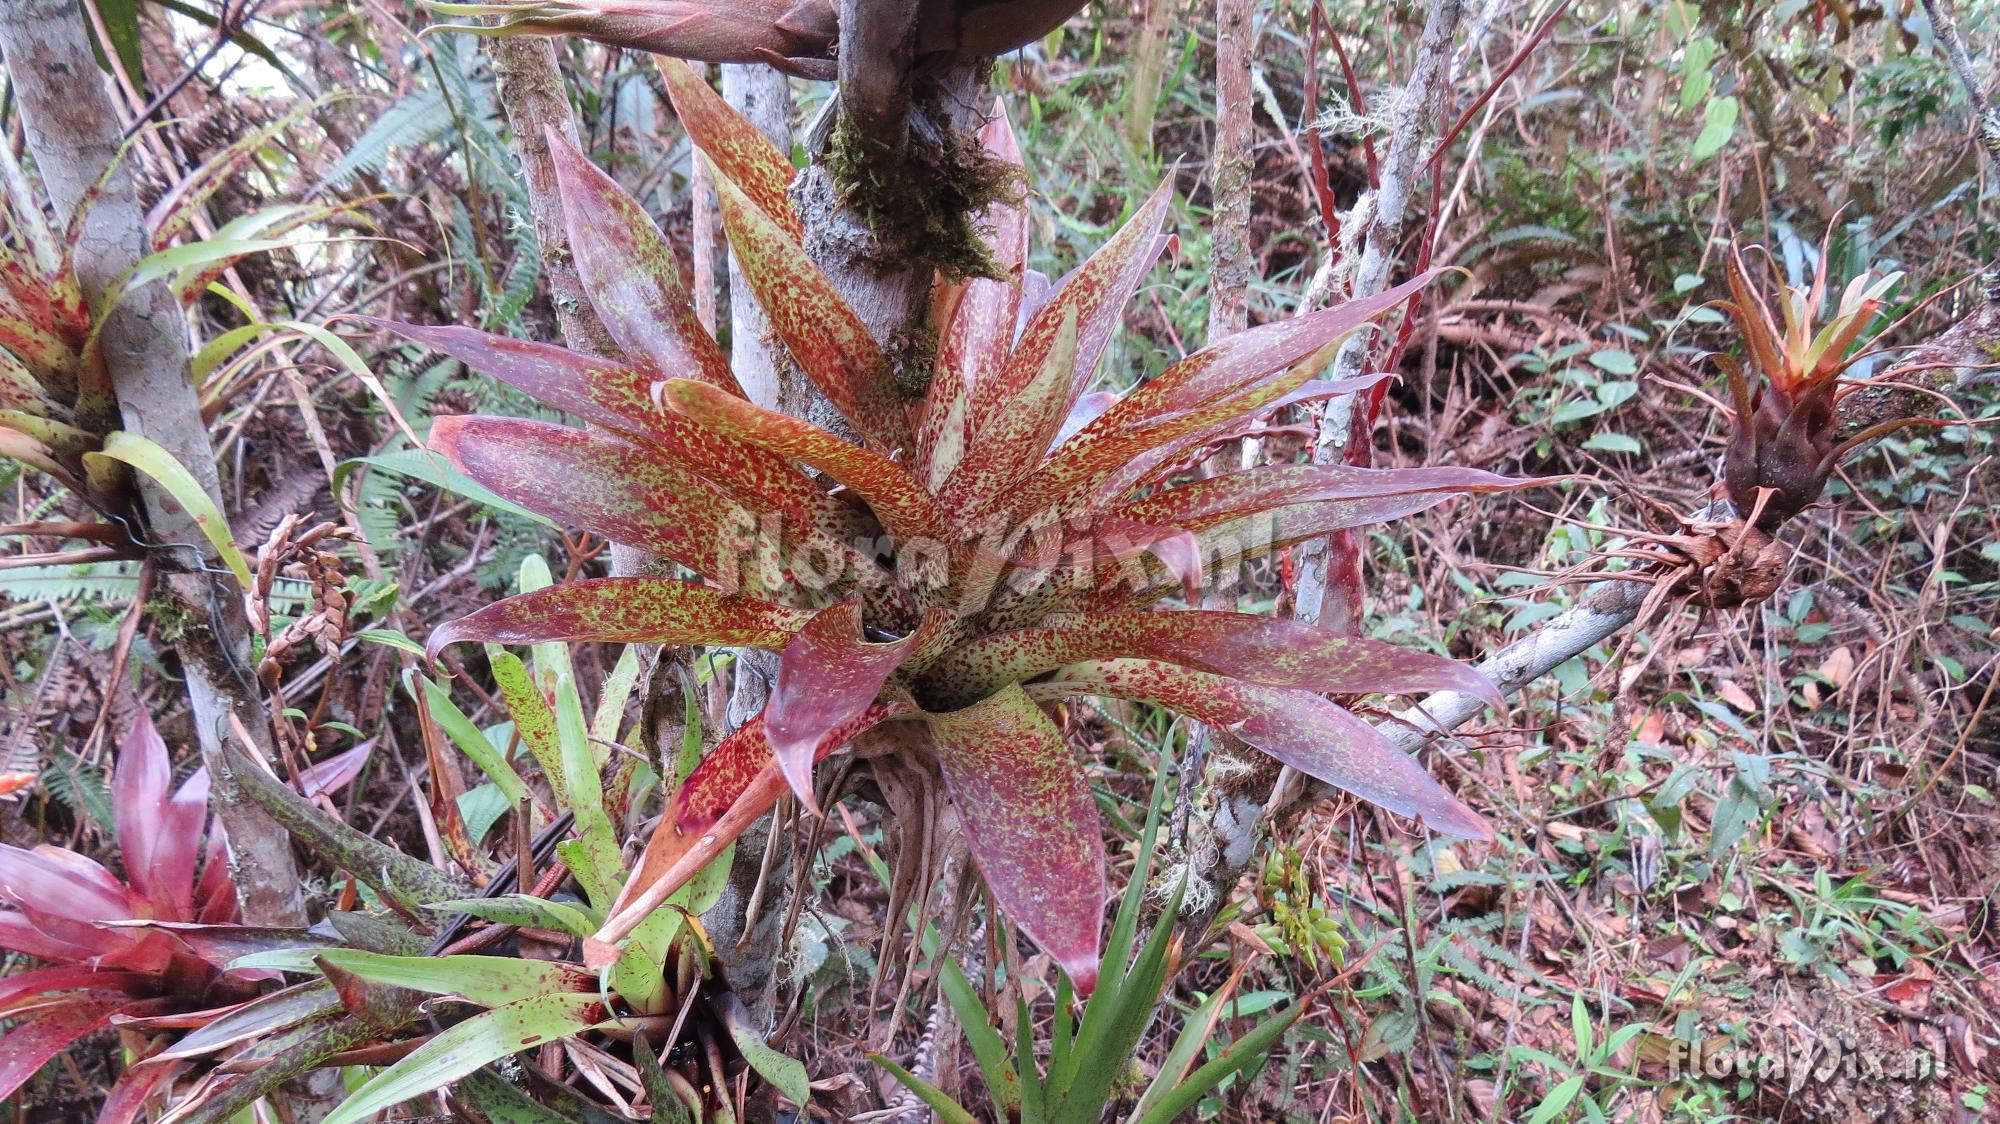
{"x":1783,"y":446}
{"x":107,"y":964}
{"x":936,"y":573}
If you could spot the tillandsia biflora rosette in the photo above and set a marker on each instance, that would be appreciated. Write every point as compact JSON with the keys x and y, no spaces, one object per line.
{"x":999,"y":544}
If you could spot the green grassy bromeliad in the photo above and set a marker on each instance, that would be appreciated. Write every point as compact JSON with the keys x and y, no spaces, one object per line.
{"x":1000,"y":544}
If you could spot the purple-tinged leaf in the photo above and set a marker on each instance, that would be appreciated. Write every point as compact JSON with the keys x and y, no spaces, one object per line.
{"x":1274,"y":651}
{"x":626,"y":611}
{"x":29,"y":1045}
{"x":127,"y":1098}
{"x":159,"y":834}
{"x":739,"y":150}
{"x":903,"y":507}
{"x":215,"y":895}
{"x":255,"y":1019}
{"x":1099,"y":461}
{"x":1030,"y":822}
{"x":820,"y":329}
{"x":20,"y":934}
{"x":333,"y":774}
{"x":631,"y":275}
{"x":619,"y":397}
{"x":1302,"y":730}
{"x":67,"y":977}
{"x":599,"y":483}
{"x":1204,"y":503}
{"x":1232,"y":364}
{"x":828,"y":675}
{"x":64,"y":894}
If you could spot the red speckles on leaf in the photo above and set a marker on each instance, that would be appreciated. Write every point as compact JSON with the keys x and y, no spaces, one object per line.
{"x":828,"y":675}
{"x":631,"y":275}
{"x":901,"y":504}
{"x":829,"y":342}
{"x":739,"y":150}
{"x":618,"y":396}
{"x":1274,"y":651}
{"x":1302,"y":730}
{"x":1030,"y":822}
{"x":1207,"y":502}
{"x":626,"y":611}
{"x":599,"y":483}
{"x":1096,"y":295}
{"x":1011,"y":442}
{"x":734,"y":785}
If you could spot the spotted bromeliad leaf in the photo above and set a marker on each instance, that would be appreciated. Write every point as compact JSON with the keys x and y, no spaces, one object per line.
{"x":1004,"y":542}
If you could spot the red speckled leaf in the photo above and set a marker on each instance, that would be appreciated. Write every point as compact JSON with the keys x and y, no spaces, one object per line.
{"x":1204,"y":503}
{"x":819,"y":328}
{"x":618,"y":396}
{"x":1274,"y":651}
{"x":903,"y":507}
{"x":1235,"y":362}
{"x":1302,"y":730}
{"x":829,"y":675}
{"x":740,"y":151}
{"x":1099,"y":460}
{"x":626,"y":611}
{"x":1224,"y":547}
{"x":605,"y":486}
{"x":159,"y":830}
{"x":1009,"y":443}
{"x":1030,"y":822}
{"x":631,"y":275}
{"x":734,"y":785}
{"x":1096,"y":294}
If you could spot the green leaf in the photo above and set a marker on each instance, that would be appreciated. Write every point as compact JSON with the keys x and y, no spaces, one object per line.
{"x":1615,"y":360}
{"x":602,"y":867}
{"x":490,"y":981}
{"x":390,"y":638}
{"x":948,"y":1110}
{"x":1558,"y":1099}
{"x":533,"y":720}
{"x":1608,"y":442}
{"x":461,"y":1049}
{"x":1003,"y":1080}
{"x":148,"y":457}
{"x":1240,"y":1054}
{"x":523,"y":909}
{"x":467,"y":736}
{"x":1718,"y":125}
{"x":786,"y":1074}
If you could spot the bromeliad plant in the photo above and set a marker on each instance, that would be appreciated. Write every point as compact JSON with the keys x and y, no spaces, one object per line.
{"x":120,"y":951}
{"x":934,"y":571}
{"x":56,"y":403}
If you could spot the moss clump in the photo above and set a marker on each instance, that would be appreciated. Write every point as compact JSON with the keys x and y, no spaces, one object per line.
{"x":922,"y":202}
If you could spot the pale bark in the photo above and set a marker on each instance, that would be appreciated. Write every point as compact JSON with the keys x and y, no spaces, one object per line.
{"x":1230,"y":165}
{"x":1411,"y":127}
